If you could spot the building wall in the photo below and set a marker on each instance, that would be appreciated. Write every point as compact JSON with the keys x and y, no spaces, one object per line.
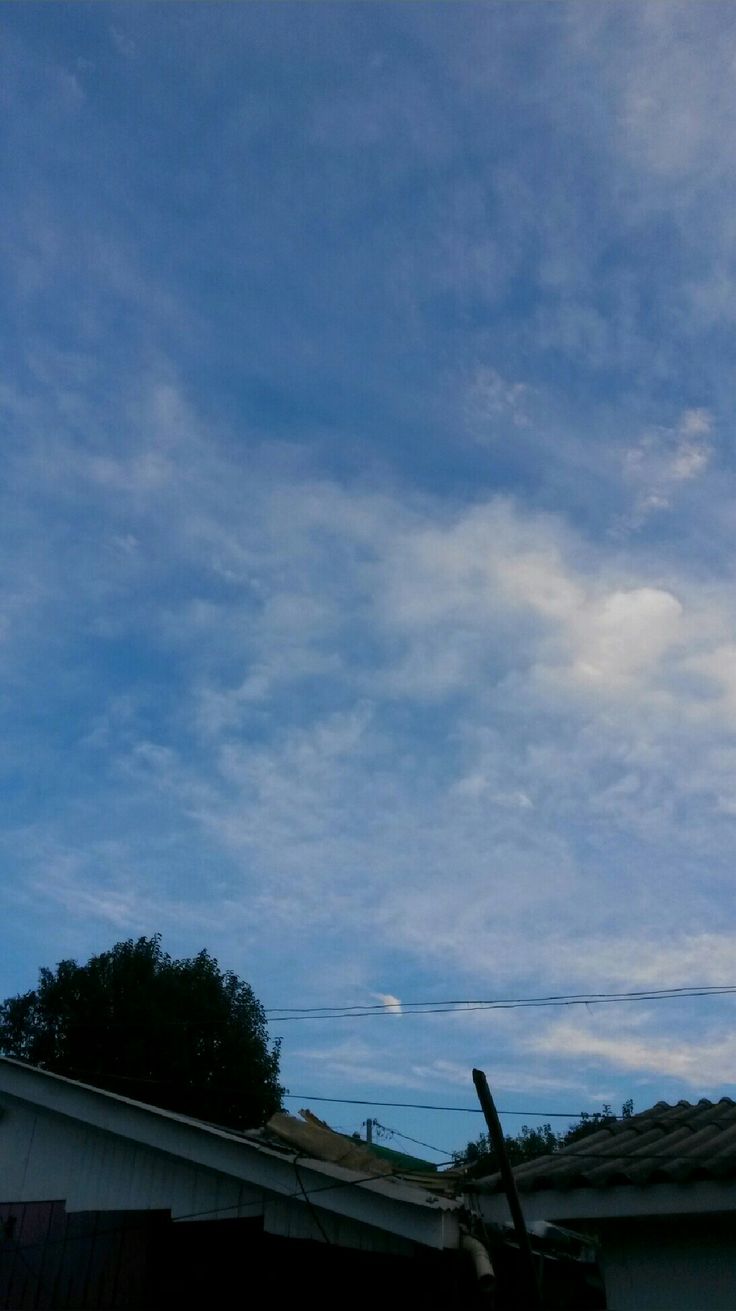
{"x":44,"y":1156}
{"x":142,"y":1261}
{"x":94,"y":1260}
{"x":677,"y":1264}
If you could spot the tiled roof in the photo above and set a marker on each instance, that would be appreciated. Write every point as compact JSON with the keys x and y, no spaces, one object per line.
{"x":677,"y":1144}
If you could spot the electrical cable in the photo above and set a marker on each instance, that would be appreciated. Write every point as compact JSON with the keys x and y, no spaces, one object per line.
{"x":344,"y":1101}
{"x":519,"y":1003}
{"x":339,"y":1011}
{"x":443,"y":1151}
{"x":395,"y":1006}
{"x":432,"y":1106}
{"x":312,"y":1209}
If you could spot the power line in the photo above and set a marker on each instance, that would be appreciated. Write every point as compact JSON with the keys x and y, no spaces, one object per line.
{"x":286,"y":1014}
{"x":338,"y":1101}
{"x":312,"y":1208}
{"x":282,"y":1014}
{"x":431,"y":1106}
{"x":478,"y":1001}
{"x":396,"y":1133}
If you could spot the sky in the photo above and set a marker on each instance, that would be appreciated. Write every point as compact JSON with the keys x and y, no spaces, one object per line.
{"x":367,"y":517}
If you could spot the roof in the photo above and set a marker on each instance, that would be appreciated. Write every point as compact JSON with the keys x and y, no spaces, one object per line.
{"x":371,"y":1193}
{"x":314,"y":1136}
{"x":680,"y":1144}
{"x":403,"y":1161}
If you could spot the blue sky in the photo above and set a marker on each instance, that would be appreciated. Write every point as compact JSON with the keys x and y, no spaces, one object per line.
{"x":367,"y":524}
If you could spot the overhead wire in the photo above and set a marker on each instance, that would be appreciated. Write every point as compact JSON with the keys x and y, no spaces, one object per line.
{"x":345,"y":1101}
{"x":396,"y":1133}
{"x":432,"y":1106}
{"x":285,"y":1014}
{"x":396,"y":1005}
{"x":341,"y":1011}
{"x":312,"y":1208}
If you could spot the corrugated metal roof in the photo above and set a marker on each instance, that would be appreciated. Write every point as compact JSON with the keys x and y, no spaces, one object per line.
{"x":676,"y":1144}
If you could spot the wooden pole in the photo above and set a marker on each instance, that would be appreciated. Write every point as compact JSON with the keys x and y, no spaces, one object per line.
{"x":495,"y":1132}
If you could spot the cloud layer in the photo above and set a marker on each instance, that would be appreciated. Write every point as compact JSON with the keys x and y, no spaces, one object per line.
{"x":366,"y":523}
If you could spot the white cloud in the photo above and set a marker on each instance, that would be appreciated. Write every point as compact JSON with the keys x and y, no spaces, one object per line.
{"x":666,"y":458}
{"x":123,"y":42}
{"x":479,"y":787}
{"x":492,"y":403}
{"x":400,"y":733}
{"x":387,"y":999}
{"x":465,"y":734}
{"x":361,"y":1064}
{"x":625,"y":634}
{"x":468,"y":604}
{"x":718,"y":665}
{"x":703,"y":1065}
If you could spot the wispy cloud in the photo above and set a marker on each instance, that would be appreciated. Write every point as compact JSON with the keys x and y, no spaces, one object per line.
{"x":493,"y":402}
{"x":663,"y":460}
{"x":392,"y":1004}
{"x":367,"y":602}
{"x":699,"y":1065}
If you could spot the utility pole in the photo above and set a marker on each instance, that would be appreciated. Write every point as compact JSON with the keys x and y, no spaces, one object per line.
{"x":534,"y":1301}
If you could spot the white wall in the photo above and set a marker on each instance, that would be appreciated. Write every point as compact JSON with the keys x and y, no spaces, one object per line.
{"x":680,"y":1264}
{"x":46,"y":1156}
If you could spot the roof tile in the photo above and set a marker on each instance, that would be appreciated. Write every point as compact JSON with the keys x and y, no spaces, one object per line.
{"x":678,"y":1143}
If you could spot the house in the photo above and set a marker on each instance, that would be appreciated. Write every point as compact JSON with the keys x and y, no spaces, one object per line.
{"x":109,"y":1202}
{"x":657,"y":1191}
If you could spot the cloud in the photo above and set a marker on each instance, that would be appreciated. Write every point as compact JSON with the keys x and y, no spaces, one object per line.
{"x":293,"y":666}
{"x":392,"y":1004}
{"x":625,"y":634}
{"x":363,"y":1064}
{"x":635,"y":961}
{"x":446,"y":718}
{"x":493,"y":402}
{"x":666,"y":458}
{"x":701,"y":1066}
{"x":123,"y":42}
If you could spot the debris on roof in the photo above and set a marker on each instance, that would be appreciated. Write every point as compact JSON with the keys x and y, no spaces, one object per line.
{"x":315,"y":1138}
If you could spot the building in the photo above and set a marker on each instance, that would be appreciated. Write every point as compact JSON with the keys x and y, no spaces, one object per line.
{"x":107,"y":1202}
{"x":90,"y":1181}
{"x":658,"y":1193}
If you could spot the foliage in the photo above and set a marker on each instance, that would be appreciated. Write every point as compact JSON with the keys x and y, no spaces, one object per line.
{"x":181,"y":1034}
{"x":532,"y":1143}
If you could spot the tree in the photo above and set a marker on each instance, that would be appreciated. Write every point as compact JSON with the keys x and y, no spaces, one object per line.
{"x":181,"y":1034}
{"x":481,"y":1157}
